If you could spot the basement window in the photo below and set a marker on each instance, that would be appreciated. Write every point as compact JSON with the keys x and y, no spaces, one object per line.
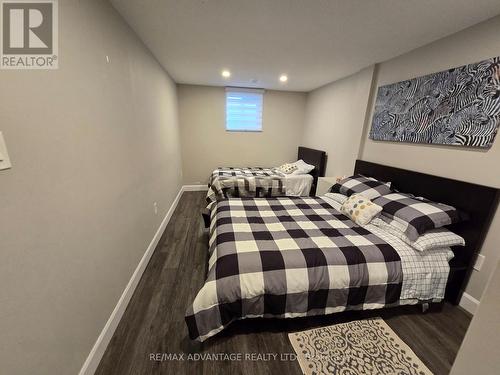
{"x":244,"y":109}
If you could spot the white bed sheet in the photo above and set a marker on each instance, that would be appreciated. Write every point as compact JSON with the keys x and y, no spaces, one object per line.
{"x":298,"y":185}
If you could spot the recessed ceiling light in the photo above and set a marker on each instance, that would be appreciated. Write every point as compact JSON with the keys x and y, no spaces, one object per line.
{"x":226,"y":73}
{"x":283,"y":78}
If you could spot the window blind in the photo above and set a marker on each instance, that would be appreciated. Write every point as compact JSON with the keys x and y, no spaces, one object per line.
{"x":244,"y":109}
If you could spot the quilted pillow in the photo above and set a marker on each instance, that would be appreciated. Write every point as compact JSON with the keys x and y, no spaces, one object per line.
{"x":360,"y":209}
{"x":370,"y":187}
{"x":287,"y":168}
{"x":430,"y":240}
{"x":416,"y":215}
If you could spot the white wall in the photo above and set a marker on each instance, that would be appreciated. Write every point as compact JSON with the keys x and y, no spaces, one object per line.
{"x":478,"y":354}
{"x":206,"y":144}
{"x":479,"y":166}
{"x":93,"y":145}
{"x":334,"y":120}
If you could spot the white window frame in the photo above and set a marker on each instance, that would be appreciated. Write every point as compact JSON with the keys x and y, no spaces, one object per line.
{"x":242,"y":89}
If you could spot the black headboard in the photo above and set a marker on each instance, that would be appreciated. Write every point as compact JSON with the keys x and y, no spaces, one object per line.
{"x":477,"y":201}
{"x":316,"y":158}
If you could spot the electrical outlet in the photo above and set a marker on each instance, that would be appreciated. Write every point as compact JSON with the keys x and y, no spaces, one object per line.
{"x":479,"y":262}
{"x":155,"y":206}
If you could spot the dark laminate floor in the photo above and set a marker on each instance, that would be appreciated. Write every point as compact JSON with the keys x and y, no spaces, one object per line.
{"x":154,"y":319}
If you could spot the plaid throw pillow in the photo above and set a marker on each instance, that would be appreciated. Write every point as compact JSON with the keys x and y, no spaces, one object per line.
{"x":430,"y":240}
{"x":358,"y":184}
{"x":417,"y":216}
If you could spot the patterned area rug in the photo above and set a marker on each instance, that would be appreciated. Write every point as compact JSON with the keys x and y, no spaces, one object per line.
{"x":359,"y":347}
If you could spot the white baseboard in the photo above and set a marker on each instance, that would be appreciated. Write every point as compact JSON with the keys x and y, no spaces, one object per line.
{"x":95,"y":355}
{"x":469,"y":303}
{"x":195,"y":187}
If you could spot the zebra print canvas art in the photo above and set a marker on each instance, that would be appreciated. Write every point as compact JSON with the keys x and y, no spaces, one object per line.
{"x":459,"y":106}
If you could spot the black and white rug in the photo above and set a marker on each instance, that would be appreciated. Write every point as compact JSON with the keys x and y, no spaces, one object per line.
{"x":360,"y":347}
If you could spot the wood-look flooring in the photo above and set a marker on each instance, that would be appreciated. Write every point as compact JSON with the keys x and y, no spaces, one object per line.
{"x":154,"y":319}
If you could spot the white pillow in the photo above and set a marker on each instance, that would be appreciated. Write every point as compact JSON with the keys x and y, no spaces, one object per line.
{"x":360,"y":209}
{"x":430,"y":240}
{"x":303,"y":167}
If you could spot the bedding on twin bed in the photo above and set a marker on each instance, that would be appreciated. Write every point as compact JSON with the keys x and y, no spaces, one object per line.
{"x":256,"y":182}
{"x":289,"y":257}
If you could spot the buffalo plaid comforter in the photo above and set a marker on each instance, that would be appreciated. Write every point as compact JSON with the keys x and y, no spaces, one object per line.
{"x":245,"y":182}
{"x":288,"y":257}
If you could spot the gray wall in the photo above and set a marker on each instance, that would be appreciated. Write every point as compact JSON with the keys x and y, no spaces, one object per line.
{"x":341,"y":111}
{"x":478,"y":354}
{"x":93,"y":145}
{"x":334,"y":117}
{"x":207,"y":145}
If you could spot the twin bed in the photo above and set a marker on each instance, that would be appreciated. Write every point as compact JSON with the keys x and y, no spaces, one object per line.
{"x":259,"y":182}
{"x":287,"y":257}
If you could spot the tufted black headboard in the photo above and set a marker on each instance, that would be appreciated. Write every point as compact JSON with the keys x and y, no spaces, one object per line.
{"x":478,"y":202}
{"x":316,"y":158}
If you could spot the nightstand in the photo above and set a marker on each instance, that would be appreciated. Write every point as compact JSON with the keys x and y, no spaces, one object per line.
{"x":325,"y":183}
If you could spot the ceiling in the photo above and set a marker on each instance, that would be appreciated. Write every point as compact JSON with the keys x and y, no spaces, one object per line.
{"x":312,"y":41}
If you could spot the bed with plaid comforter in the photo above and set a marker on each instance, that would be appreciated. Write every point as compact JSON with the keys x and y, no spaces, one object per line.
{"x":289,"y":257}
{"x":245,"y":182}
